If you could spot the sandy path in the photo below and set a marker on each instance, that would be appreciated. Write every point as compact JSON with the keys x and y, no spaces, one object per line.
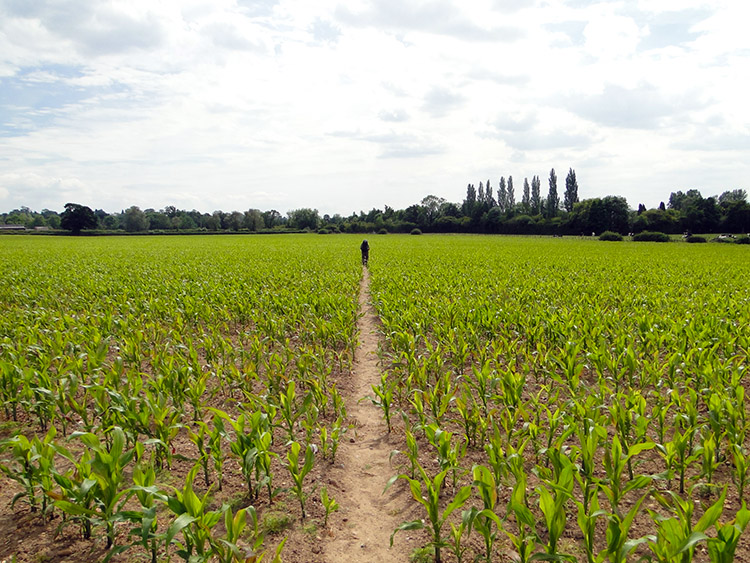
{"x":363,"y":526}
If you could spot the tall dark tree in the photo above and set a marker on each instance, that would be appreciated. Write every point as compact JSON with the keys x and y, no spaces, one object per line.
{"x":470,"y":201}
{"x":571,"y":190}
{"x":553,"y":200}
{"x":77,"y":217}
{"x":536,"y":195}
{"x":502,"y":195}
{"x":511,"y":195}
{"x":526,"y":197}
{"x":489,"y":196}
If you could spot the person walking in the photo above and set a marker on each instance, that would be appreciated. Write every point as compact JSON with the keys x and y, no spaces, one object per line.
{"x":365,"y":248}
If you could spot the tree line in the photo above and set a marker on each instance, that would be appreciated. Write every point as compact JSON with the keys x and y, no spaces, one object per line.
{"x":485,"y":209}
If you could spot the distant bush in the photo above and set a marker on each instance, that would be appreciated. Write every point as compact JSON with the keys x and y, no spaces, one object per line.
{"x":742,"y":239}
{"x":324,"y":231}
{"x":415,"y":232}
{"x":695,"y":238}
{"x":383,"y":231}
{"x":729,"y":239}
{"x":610,"y":236}
{"x":651,"y":236}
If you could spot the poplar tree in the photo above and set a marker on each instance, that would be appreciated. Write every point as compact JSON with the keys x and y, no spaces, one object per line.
{"x":553,"y":200}
{"x":536,"y":195}
{"x":489,"y":195}
{"x":511,"y":195}
{"x":470,"y":201}
{"x":571,"y":190}
{"x":526,"y":198}
{"x":502,"y":195}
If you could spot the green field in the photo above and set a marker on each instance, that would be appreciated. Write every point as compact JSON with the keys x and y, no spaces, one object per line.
{"x":570,"y":398}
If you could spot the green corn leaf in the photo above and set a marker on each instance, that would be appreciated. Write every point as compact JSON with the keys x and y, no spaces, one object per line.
{"x":691,"y":541}
{"x":711,"y":516}
{"x":413,"y":525}
{"x":178,"y":525}
{"x":74,"y":509}
{"x":460,"y":499}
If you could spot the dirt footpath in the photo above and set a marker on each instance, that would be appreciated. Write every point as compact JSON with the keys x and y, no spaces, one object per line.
{"x":363,"y":526}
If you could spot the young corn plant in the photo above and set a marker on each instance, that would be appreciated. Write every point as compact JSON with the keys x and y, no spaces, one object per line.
{"x":678,"y":454}
{"x":193,"y":520}
{"x":430,"y":500}
{"x":707,"y":452}
{"x":384,"y":398}
{"x":676,"y":536}
{"x":329,"y":504}
{"x":218,"y":434}
{"x":298,"y":467}
{"x":485,"y":384}
{"x":483,"y":519}
{"x":417,"y":403}
{"x":289,"y":410}
{"x":200,"y":439}
{"x":618,"y":543}
{"x":247,"y":429}
{"x":164,"y":427}
{"x":439,"y":397}
{"x":107,"y":470}
{"x":337,"y":431}
{"x":469,"y":416}
{"x":741,"y":465}
{"x":76,"y":496}
{"x":145,"y":528}
{"x":412,"y":453}
{"x":590,"y":435}
{"x":448,"y":456}
{"x":496,"y":456}
{"x":723,"y":547}
{"x":32,"y":466}
{"x":263,"y":471}
{"x":588,"y":513}
{"x":228,"y":548}
{"x":458,"y":533}
{"x":525,"y":539}
{"x":552,"y":504}
{"x":615,"y":463}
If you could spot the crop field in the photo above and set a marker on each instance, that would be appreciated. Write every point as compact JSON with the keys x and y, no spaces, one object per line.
{"x":184,"y":398}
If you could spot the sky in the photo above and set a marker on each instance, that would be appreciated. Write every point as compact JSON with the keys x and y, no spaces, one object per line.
{"x":346,"y":106}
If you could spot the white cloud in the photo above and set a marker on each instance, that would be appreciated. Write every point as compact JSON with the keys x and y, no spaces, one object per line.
{"x":611,"y":36}
{"x":287,"y":103}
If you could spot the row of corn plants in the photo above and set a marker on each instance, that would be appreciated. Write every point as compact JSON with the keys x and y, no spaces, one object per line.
{"x":555,"y":389}
{"x":123,"y":361}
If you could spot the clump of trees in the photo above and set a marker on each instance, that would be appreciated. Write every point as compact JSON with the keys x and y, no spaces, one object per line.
{"x":77,"y":218}
{"x":483,"y":210}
